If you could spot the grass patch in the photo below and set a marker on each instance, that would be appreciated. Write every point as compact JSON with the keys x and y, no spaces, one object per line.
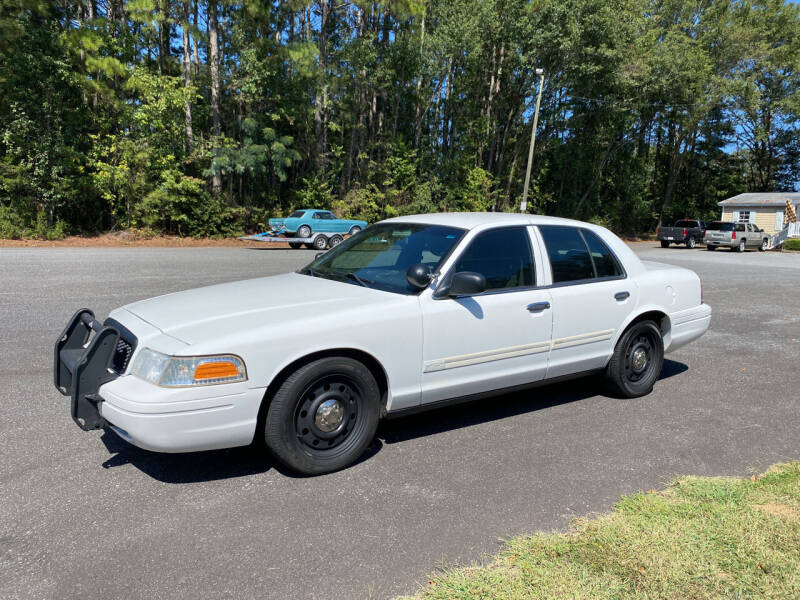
{"x":792,"y":244}
{"x":703,"y":537}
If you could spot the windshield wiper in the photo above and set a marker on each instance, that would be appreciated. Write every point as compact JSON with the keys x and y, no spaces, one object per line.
{"x":360,"y":280}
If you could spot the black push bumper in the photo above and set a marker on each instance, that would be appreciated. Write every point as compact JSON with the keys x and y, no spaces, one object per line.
{"x":87,"y":355}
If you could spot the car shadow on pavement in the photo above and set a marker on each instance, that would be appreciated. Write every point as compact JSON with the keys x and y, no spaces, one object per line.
{"x":197,"y":467}
{"x":500,"y":407}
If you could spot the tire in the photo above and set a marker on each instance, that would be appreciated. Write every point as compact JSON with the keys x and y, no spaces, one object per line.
{"x":320,"y":242}
{"x":354,"y":230}
{"x":309,"y":246}
{"x":335,"y":240}
{"x":664,"y":244}
{"x":741,"y":246}
{"x":313,"y":439}
{"x":624,"y":375}
{"x":711,"y":248}
{"x":304,"y":231}
{"x":691,"y":242}
{"x":764,"y":245}
{"x":295,"y":245}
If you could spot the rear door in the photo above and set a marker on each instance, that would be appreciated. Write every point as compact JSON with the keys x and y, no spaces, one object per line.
{"x":591,"y":298}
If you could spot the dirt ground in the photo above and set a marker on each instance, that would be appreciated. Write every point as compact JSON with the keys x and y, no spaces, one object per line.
{"x":133,"y":238}
{"x":129,"y":239}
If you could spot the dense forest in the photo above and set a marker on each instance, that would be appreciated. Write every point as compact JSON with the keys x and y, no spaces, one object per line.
{"x":206,"y":118}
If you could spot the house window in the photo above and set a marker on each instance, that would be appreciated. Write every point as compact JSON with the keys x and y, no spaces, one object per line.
{"x":744,"y":216}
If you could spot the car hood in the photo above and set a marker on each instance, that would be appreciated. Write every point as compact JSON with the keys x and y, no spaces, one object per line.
{"x":277,"y":302}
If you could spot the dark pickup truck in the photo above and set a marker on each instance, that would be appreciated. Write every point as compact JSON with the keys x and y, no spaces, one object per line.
{"x":685,"y":231}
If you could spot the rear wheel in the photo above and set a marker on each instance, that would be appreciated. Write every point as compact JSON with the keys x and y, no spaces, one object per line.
{"x":741,"y":246}
{"x":691,"y":243}
{"x":710,"y":247}
{"x":664,"y":244}
{"x":304,"y":231}
{"x":764,"y":245}
{"x":295,"y":245}
{"x":637,"y":360}
{"x":335,"y":240}
{"x":324,"y":416}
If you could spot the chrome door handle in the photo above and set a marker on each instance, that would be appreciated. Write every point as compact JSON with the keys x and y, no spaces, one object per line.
{"x":538,"y":306}
{"x":622,"y":296}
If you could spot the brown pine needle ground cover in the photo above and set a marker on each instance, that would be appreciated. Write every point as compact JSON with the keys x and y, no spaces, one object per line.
{"x":703,"y":537}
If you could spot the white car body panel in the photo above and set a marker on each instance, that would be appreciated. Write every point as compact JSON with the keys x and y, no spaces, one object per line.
{"x":429,"y":349}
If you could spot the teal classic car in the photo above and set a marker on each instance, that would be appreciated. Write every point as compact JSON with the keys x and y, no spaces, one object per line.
{"x":305,"y":222}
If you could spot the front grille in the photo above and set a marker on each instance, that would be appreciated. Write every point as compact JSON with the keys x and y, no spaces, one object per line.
{"x":122,"y":355}
{"x":123,"y":351}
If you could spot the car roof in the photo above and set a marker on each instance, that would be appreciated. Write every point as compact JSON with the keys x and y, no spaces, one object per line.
{"x":470,"y":220}
{"x":313,"y":209}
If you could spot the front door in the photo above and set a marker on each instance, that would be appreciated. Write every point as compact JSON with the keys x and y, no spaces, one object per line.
{"x":494,"y":340}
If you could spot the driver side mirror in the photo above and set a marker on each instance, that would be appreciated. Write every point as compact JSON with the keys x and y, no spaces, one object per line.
{"x":464,"y":283}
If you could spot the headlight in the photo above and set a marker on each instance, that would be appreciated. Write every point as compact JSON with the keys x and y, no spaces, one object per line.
{"x":187,"y":371}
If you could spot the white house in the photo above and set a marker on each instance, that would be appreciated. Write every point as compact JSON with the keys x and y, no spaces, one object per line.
{"x":765,"y":210}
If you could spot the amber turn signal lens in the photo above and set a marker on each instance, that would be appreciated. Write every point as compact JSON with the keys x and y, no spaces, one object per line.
{"x":215,"y":370}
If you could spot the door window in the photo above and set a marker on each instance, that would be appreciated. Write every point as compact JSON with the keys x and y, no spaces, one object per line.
{"x":503,"y":256}
{"x":605,"y":263}
{"x":578,"y":254}
{"x":569,"y":257}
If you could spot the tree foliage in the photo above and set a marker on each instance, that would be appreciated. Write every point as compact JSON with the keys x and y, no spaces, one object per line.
{"x":205,"y":118}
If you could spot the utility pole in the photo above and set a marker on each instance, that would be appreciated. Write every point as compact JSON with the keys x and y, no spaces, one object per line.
{"x":523,"y":205}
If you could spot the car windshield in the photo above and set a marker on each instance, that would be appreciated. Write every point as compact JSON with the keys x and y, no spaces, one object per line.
{"x":296,"y":214}
{"x":379,"y":256}
{"x":719,"y":226}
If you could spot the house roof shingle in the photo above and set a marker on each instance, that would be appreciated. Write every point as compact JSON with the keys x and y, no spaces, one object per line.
{"x":761,"y":199}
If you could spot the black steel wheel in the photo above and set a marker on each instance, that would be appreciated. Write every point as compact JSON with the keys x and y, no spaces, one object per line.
{"x":637,"y":360}
{"x":710,"y":247}
{"x":324,"y":416}
{"x":335,"y":240}
{"x":295,"y":245}
{"x":304,"y":231}
{"x":320,"y":242}
{"x":664,"y":244}
{"x":354,"y":229}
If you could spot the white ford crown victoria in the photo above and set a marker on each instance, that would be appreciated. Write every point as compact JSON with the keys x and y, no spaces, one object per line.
{"x":411,"y":313}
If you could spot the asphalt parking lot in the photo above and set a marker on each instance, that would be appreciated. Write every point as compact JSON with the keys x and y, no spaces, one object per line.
{"x":85,"y":515}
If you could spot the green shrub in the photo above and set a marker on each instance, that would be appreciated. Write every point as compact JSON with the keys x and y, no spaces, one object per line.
{"x":793,"y":244}
{"x":14,"y":227}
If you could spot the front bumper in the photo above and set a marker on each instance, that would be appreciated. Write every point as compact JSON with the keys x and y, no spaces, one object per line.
{"x":90,"y":359}
{"x":87,"y":355}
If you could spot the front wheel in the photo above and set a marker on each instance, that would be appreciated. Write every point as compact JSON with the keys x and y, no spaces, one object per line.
{"x":324,"y":416}
{"x":320,"y":242}
{"x":664,"y":244}
{"x":764,"y":245}
{"x":354,"y":229}
{"x":304,"y":231}
{"x":637,"y":360}
{"x":295,"y":245}
{"x":691,"y":243}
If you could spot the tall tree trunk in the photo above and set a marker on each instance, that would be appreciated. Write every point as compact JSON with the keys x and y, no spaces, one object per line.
{"x":321,"y":96}
{"x":187,"y":75}
{"x":195,"y":49}
{"x":213,"y":59}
